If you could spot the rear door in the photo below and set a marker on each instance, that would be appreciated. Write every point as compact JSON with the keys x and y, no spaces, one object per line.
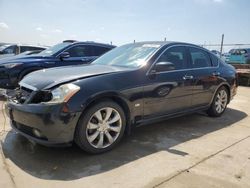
{"x":205,"y":73}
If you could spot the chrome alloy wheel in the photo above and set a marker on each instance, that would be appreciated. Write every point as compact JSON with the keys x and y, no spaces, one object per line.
{"x":104,"y":127}
{"x":221,"y":101}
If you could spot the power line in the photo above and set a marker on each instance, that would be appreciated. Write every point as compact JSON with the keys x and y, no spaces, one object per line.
{"x":225,"y":44}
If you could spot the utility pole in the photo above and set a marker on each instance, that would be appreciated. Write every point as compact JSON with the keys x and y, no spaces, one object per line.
{"x":221,"y":46}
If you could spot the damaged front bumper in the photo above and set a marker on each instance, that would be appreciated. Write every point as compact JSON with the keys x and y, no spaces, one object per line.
{"x":46,"y":124}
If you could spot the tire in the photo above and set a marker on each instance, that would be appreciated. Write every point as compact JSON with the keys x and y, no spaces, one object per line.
{"x":97,"y":133}
{"x":219,"y":103}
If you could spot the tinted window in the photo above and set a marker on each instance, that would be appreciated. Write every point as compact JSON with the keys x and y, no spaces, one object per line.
{"x":215,"y":60}
{"x":24,"y":49}
{"x":199,"y":58}
{"x":29,"y":48}
{"x":176,"y":56}
{"x":99,"y":50}
{"x":80,"y":51}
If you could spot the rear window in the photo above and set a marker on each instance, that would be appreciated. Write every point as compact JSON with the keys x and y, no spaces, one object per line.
{"x":215,"y":60}
{"x":200,"y":58}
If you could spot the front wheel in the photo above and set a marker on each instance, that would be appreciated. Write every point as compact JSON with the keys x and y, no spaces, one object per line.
{"x":101,"y":127}
{"x":219,"y":103}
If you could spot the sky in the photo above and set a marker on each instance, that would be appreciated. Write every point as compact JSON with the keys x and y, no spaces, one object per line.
{"x":47,"y":22}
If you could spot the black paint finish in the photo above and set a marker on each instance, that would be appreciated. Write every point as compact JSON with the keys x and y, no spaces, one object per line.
{"x":143,"y":93}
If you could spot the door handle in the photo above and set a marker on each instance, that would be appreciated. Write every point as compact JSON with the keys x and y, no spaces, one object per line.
{"x":188,"y":77}
{"x":216,"y":74}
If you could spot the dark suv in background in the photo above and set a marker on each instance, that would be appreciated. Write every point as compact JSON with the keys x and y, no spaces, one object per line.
{"x":66,"y":53}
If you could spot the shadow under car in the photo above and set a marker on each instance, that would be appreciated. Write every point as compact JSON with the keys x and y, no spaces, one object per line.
{"x":72,"y":163}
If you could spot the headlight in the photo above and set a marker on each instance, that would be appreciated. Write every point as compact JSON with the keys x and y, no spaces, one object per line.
{"x":63,"y":93}
{"x":11,"y":65}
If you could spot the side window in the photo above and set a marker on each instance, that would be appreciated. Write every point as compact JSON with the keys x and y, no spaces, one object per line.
{"x":99,"y":50}
{"x":24,"y":49}
{"x":175,"y":55}
{"x":36,"y":48}
{"x":215,"y":60}
{"x":80,"y":51}
{"x":199,"y":58}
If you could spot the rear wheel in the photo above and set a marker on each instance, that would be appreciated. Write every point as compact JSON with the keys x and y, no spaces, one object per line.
{"x":219,"y":103}
{"x":101,"y":127}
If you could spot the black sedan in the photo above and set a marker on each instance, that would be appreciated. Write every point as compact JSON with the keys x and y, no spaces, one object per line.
{"x":94,"y":105}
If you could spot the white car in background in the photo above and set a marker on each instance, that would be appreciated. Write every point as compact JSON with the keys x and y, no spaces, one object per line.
{"x":8,"y":50}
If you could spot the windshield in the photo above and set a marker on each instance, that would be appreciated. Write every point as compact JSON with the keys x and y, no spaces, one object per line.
{"x":3,"y":47}
{"x":130,"y":55}
{"x":54,"y":49}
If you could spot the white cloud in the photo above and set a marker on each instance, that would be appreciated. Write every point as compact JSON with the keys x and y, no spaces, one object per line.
{"x":3,"y":25}
{"x":39,"y":29}
{"x":57,"y":31}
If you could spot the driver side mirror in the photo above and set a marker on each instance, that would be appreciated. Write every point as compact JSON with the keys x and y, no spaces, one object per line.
{"x":164,"y":66}
{"x":64,"y":55}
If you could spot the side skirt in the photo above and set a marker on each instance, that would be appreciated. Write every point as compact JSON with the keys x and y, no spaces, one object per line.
{"x":169,"y":116}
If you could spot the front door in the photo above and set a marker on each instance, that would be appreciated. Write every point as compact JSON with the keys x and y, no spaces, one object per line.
{"x":169,"y":91}
{"x":80,"y":54}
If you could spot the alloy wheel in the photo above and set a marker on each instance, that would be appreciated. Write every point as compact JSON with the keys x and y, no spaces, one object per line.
{"x":221,"y":101}
{"x":104,"y":127}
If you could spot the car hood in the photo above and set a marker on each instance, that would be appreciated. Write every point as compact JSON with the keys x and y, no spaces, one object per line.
{"x":48,"y":78}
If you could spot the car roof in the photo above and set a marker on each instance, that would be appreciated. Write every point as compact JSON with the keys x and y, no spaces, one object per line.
{"x":90,"y":42}
{"x":37,"y":46}
{"x":22,"y":45}
{"x":164,"y":43}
